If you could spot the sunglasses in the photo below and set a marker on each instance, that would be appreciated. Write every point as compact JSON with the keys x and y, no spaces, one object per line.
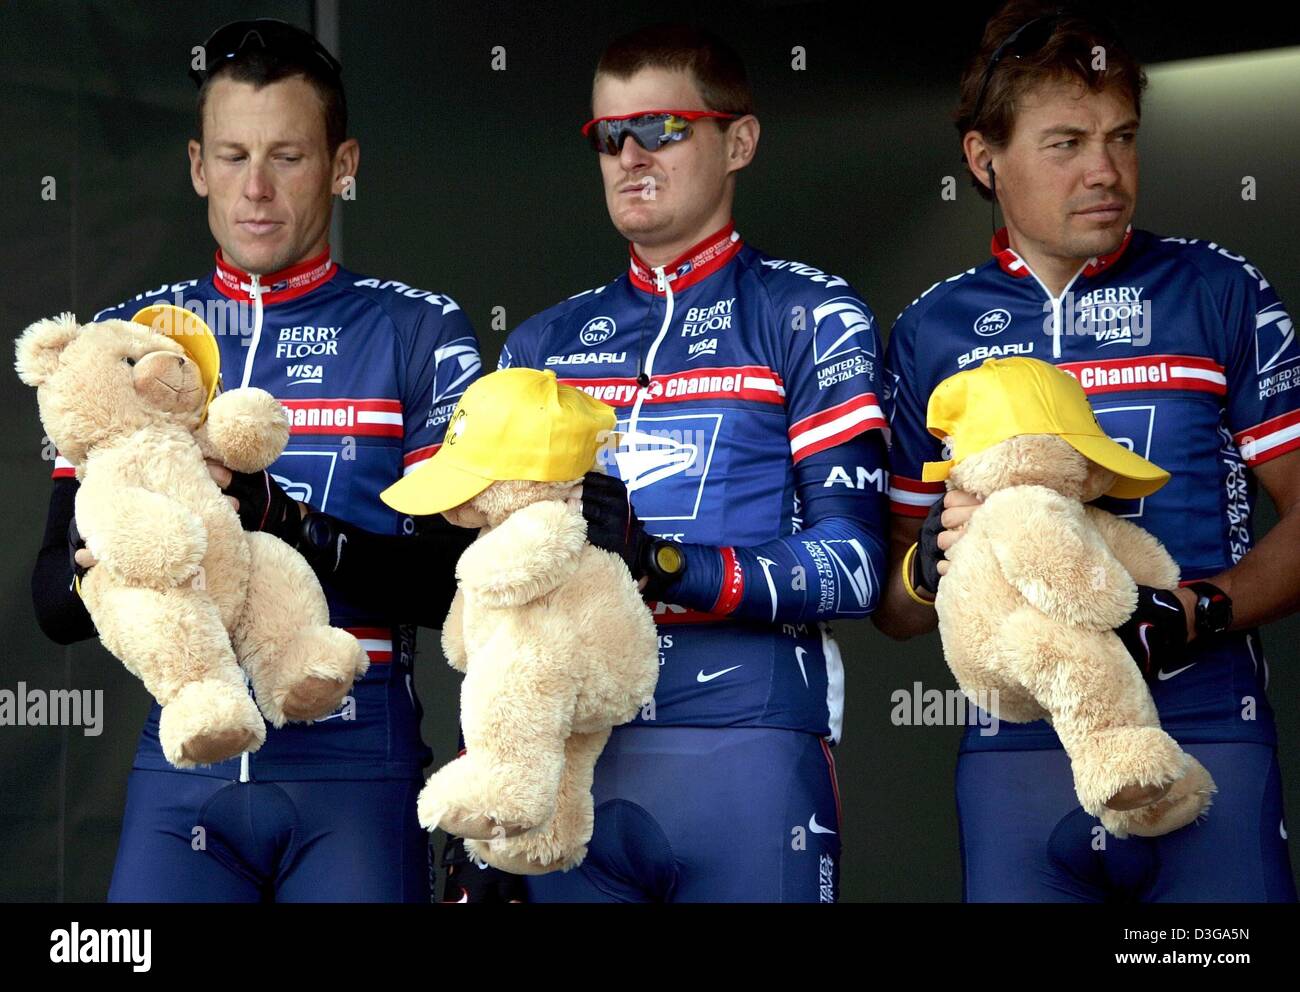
{"x":651,"y":129}
{"x":276,"y":37}
{"x":1030,"y":37}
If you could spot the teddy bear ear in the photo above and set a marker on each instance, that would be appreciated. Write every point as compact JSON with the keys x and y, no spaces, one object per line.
{"x":38,"y":348}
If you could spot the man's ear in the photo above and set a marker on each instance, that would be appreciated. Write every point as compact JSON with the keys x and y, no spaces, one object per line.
{"x":979,"y":156}
{"x":742,"y":142}
{"x":38,"y":348}
{"x":346,"y":159}
{"x":197,"y":178}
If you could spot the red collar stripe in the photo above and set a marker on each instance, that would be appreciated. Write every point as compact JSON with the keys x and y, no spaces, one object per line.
{"x":1013,"y":265}
{"x":691,"y":266}
{"x":276,"y":287}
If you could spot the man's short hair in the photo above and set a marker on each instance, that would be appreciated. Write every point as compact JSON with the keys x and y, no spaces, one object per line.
{"x":1066,"y":55}
{"x":255,"y":64}
{"x":718,"y":72}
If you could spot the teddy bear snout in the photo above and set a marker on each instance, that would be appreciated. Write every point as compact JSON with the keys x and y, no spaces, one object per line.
{"x":168,"y":381}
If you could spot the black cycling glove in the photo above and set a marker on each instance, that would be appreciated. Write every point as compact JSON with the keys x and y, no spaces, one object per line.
{"x":473,"y":881}
{"x":925,"y":563}
{"x":1156,"y":634}
{"x":264,"y":506}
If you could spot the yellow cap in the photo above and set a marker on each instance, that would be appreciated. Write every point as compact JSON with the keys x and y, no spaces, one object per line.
{"x":192,"y":334}
{"x":511,"y":424}
{"x":1008,"y":397}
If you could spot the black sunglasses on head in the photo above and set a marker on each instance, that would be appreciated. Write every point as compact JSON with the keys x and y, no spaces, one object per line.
{"x":1029,"y":38}
{"x":276,"y":37}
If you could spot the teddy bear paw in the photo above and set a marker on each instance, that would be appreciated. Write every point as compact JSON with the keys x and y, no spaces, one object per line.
{"x":1138,"y":794}
{"x":312,"y":677}
{"x":209,"y":721}
{"x":1187,"y":799}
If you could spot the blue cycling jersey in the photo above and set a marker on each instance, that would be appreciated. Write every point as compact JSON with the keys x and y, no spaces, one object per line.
{"x":369,"y":372}
{"x":755,"y":440}
{"x":1188,"y":358}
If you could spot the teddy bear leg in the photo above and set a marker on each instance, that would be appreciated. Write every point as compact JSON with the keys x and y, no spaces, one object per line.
{"x":561,"y":842}
{"x":300,"y":666}
{"x":1101,"y":709}
{"x":485,"y":794}
{"x":174,"y":641}
{"x":453,"y":799}
{"x":1186,"y":800}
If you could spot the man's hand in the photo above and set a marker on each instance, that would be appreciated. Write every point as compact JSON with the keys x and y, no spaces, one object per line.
{"x":612,"y":524}
{"x":472,"y":881}
{"x":260,"y":502}
{"x":943,"y":527}
{"x":1157,"y":633}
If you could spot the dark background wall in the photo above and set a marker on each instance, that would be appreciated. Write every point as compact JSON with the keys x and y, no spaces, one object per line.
{"x":474,"y":182}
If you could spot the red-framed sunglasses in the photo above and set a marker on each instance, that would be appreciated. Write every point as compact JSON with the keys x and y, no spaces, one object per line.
{"x":651,"y":129}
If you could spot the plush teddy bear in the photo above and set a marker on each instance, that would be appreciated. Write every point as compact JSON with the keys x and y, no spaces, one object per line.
{"x":1039,"y":580}
{"x":181,"y":594}
{"x":555,"y":642}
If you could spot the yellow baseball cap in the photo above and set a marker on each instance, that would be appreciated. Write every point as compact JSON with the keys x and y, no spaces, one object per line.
{"x":1008,"y":397}
{"x":511,"y":424}
{"x":192,"y":334}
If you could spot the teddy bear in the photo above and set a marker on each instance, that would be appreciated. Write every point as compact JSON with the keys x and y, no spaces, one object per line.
{"x":186,"y":599}
{"x":555,"y":642}
{"x":1039,"y":580}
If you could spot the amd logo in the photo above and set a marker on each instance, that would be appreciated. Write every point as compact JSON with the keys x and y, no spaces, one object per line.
{"x":876,"y":478}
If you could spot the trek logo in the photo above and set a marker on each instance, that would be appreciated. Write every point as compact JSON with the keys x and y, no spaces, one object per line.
{"x":992,"y":322}
{"x":457,"y":365}
{"x":708,"y":320}
{"x":596,"y":331}
{"x":994,"y":351}
{"x":668,"y":460}
{"x":838,"y":324}
{"x":307,"y":342}
{"x":588,"y":358}
{"x":1133,"y":427}
{"x":698,"y":349}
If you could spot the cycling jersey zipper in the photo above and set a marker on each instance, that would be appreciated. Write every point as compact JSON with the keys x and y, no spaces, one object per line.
{"x":255,"y":290}
{"x":1055,"y":301}
{"x":663,"y":283}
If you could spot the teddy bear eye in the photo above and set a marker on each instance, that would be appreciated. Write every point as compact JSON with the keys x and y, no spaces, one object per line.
{"x":129,"y":360}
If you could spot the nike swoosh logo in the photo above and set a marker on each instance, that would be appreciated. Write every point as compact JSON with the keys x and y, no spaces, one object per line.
{"x":798,"y":656}
{"x":1162,"y":676}
{"x":709,"y":678}
{"x":816,"y":827}
{"x":338,"y":554}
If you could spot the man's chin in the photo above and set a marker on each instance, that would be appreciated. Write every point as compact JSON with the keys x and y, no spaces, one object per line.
{"x":638,"y":223}
{"x":1094,"y":243}
{"x":258,"y":258}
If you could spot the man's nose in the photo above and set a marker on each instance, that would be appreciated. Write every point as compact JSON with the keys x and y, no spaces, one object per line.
{"x":257,"y":185}
{"x":1101,"y":170}
{"x":632,"y":157}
